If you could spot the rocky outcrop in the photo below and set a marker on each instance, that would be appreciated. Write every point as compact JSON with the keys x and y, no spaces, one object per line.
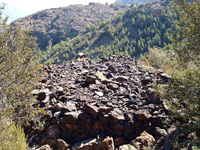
{"x":53,"y":25}
{"x":108,"y":103}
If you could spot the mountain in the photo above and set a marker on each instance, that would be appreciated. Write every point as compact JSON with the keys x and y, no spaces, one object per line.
{"x":129,"y":33}
{"x":53,"y":25}
{"x":131,"y":1}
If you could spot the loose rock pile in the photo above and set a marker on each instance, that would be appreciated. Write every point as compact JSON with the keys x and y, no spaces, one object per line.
{"x":104,"y":104}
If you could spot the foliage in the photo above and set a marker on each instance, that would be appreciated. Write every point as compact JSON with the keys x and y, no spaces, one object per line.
{"x":19,"y":72}
{"x":188,"y":30}
{"x":181,"y":61}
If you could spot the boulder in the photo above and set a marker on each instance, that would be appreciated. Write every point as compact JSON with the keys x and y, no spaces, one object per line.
{"x":127,"y":147}
{"x":143,"y":115}
{"x":144,"y":141}
{"x":93,"y":110}
{"x":107,"y":144}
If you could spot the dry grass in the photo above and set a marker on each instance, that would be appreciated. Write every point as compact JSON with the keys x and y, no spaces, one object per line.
{"x":12,"y":137}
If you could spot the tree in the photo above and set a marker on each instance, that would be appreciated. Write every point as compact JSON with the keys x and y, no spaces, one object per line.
{"x":188,"y":26}
{"x":19,"y":72}
{"x":183,"y":92}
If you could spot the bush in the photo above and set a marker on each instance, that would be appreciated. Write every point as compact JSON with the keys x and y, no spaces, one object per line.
{"x":19,"y":74}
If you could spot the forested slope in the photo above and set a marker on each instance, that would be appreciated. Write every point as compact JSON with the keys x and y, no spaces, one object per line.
{"x":132,"y":32}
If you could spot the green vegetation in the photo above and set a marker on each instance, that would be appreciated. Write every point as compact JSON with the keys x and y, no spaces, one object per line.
{"x":129,"y":33}
{"x":181,"y":61}
{"x":19,"y":73}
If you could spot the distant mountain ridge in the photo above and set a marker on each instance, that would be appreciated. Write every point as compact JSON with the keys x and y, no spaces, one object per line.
{"x":53,"y":25}
{"x":131,"y":1}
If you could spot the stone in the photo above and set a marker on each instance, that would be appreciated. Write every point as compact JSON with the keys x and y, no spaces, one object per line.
{"x":144,"y":141}
{"x":100,"y":76}
{"x":122,"y":91}
{"x":143,"y":115}
{"x":111,"y":96}
{"x":91,"y":80}
{"x":146,"y":80}
{"x":83,"y":116}
{"x":44,"y":147}
{"x":112,"y":86}
{"x":122,"y":79}
{"x":53,"y":132}
{"x":93,"y":110}
{"x":160,"y":132}
{"x":98,"y":93}
{"x":50,"y":142}
{"x":107,"y":144}
{"x":70,"y":106}
{"x":119,"y":141}
{"x":58,"y":106}
{"x":41,"y":96}
{"x":117,"y":114}
{"x":35,"y":92}
{"x":153,"y":96}
{"x":88,"y":144}
{"x":62,"y":145}
{"x":104,"y":117}
{"x":59,"y":90}
{"x":127,"y":147}
{"x":165,"y":76}
{"x":70,"y":117}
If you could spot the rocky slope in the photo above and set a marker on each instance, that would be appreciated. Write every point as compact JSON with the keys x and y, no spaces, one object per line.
{"x":53,"y":25}
{"x":101,"y":105}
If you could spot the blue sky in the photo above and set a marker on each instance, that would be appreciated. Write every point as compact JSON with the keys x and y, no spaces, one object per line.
{"x":32,"y":6}
{"x":20,"y":8}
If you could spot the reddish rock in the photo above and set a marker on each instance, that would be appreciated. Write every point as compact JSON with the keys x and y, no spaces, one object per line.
{"x":143,"y":115}
{"x":70,"y":117}
{"x":119,"y":141}
{"x":91,"y":80}
{"x":62,"y":145}
{"x":93,"y":110}
{"x":41,"y":96}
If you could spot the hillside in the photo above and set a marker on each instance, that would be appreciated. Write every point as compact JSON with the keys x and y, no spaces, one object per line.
{"x":128,"y":33}
{"x":53,"y":25}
